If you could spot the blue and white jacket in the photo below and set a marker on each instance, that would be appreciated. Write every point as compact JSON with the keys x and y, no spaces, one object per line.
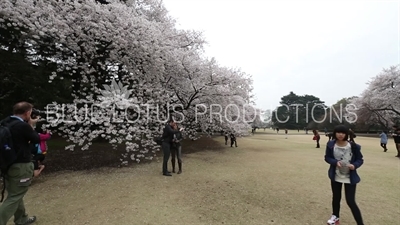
{"x":356,"y":159}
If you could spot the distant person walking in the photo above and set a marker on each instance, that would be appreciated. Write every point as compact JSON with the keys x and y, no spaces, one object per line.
{"x":233,"y":140}
{"x":384,"y":140}
{"x":329,"y":135}
{"x":396,"y":137}
{"x":316,"y":137}
{"x":286,"y":133}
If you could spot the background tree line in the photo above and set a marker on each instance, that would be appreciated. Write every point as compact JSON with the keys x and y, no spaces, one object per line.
{"x":377,"y":108}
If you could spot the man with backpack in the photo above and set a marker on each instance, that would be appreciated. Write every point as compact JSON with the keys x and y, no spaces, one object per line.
{"x":17,"y":169}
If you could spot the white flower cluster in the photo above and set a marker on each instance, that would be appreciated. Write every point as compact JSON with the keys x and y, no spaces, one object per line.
{"x":380,"y":101}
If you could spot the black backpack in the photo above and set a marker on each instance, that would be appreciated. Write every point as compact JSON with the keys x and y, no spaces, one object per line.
{"x":7,"y":153}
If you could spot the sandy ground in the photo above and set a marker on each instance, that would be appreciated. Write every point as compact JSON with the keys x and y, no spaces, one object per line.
{"x":266,"y":180}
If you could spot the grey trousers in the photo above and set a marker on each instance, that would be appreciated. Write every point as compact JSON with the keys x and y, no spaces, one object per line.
{"x":176,"y":151}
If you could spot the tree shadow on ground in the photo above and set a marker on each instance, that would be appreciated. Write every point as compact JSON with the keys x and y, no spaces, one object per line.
{"x":101,"y":154}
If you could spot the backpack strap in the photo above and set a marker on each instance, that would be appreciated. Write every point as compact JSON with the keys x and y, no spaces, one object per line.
{"x":4,"y":188}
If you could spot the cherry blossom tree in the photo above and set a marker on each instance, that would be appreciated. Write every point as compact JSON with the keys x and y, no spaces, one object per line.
{"x":130,"y":69}
{"x":380,"y":102}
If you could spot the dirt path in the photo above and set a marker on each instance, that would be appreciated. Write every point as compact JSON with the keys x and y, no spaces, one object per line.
{"x":266,"y":180}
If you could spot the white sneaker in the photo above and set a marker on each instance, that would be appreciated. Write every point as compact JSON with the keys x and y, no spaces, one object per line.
{"x":333,"y":220}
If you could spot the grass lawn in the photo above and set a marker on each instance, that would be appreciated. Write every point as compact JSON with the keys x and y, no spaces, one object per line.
{"x":266,"y":180}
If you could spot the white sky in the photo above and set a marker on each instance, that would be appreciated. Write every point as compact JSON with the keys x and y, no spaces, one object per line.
{"x":329,"y":49}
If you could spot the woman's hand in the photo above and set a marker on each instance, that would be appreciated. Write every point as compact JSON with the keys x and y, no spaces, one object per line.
{"x":351,"y":167}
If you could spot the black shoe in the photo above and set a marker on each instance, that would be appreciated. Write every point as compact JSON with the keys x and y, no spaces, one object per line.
{"x":167,"y":174}
{"x":30,"y":220}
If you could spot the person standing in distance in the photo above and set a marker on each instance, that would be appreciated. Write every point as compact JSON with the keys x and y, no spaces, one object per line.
{"x":344,"y":158}
{"x":384,"y":140}
{"x":168,"y":137}
{"x":233,"y":139}
{"x":316,"y":137}
{"x":226,"y":138}
{"x":396,"y":138}
{"x":176,"y":150}
{"x":19,"y":175}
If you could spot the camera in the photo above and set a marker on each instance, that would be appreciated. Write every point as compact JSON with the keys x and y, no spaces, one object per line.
{"x":36,"y":112}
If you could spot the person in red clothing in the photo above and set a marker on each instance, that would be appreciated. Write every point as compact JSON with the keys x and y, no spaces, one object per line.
{"x":316,"y":137}
{"x":42,"y":148}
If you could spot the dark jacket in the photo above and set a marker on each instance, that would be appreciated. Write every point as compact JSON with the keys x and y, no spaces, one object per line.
{"x":177,"y":140}
{"x":168,"y":133}
{"x":23,"y":136}
{"x":396,"y":136}
{"x":356,"y":159}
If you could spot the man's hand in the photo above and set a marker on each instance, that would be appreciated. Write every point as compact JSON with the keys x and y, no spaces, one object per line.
{"x":33,"y":122}
{"x":181,"y":129}
{"x":339,"y":164}
{"x":351,"y":167}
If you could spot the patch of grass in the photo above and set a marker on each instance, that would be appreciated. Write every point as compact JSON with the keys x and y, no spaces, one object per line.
{"x":266,"y":180}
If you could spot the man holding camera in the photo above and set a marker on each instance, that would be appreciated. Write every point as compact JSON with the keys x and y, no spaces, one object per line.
{"x":19,"y":175}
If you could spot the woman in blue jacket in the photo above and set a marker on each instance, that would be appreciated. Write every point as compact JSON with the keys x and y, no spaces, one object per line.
{"x":344,"y":158}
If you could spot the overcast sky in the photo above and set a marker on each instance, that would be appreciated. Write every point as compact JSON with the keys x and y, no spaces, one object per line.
{"x":329,"y":49}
